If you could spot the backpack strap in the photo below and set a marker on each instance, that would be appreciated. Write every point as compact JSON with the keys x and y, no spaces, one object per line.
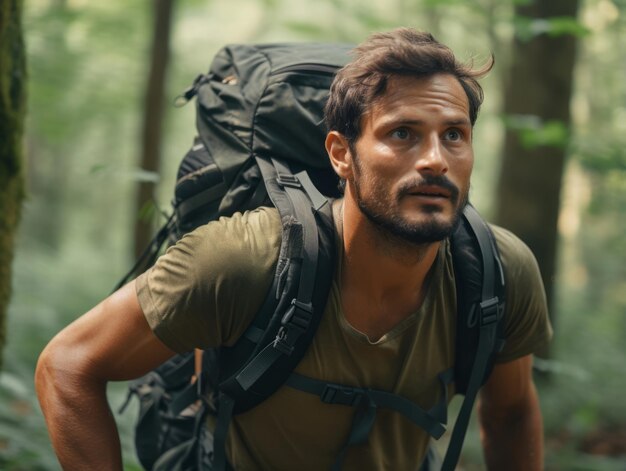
{"x":475,"y":246}
{"x":489,"y":311}
{"x":298,"y":310}
{"x":298,"y":317}
{"x":367,"y":402}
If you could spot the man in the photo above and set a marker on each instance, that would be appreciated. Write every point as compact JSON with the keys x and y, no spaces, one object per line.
{"x":401,"y":117}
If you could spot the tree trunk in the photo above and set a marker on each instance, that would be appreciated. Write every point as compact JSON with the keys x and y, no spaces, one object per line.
{"x":540,"y":85}
{"x":12,"y":111}
{"x":152,"y":123}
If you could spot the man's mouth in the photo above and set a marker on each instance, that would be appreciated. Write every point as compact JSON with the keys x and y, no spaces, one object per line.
{"x":430,"y":192}
{"x":432,"y":189}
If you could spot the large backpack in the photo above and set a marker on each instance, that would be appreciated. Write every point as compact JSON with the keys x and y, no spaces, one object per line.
{"x":260,"y":142}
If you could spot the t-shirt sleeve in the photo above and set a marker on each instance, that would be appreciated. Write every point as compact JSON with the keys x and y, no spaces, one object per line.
{"x":527,"y":324}
{"x":204,"y":291}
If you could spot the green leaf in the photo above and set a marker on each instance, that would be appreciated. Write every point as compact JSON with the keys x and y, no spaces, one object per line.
{"x":148,"y":212}
{"x":603,"y":158}
{"x":98,"y":168}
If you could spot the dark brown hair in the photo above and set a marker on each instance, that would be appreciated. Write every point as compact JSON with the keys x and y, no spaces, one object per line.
{"x":403,"y":51}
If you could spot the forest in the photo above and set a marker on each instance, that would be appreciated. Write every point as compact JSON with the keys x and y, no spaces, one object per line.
{"x":91,"y":137}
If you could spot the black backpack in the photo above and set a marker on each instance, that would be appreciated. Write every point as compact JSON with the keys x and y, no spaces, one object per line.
{"x":260,"y":142}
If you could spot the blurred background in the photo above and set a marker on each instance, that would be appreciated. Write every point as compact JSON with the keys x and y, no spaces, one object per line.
{"x":102,"y":141}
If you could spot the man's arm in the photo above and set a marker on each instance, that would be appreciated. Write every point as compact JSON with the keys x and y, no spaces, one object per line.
{"x":510,"y":418}
{"x":111,"y":342}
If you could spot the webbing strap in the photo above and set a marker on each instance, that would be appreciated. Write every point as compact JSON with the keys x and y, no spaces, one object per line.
{"x":224,"y":416}
{"x":362,"y":423}
{"x":296,"y":320}
{"x":489,"y":312}
{"x":440,"y":410}
{"x":317,"y":199}
{"x":487,"y":251}
{"x":184,"y":399}
{"x":179,"y":371}
{"x":205,"y":197}
{"x":367,"y":402}
{"x":332,"y":393}
{"x":303,"y":194}
{"x":485,"y":348}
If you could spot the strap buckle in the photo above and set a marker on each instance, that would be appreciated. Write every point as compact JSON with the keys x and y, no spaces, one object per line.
{"x":334,"y":394}
{"x":295,"y":321}
{"x":285,"y":179}
{"x":491,"y":311}
{"x":281,"y":342}
{"x":299,"y":314}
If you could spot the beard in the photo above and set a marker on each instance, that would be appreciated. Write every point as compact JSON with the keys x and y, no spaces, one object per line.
{"x":381,"y":209}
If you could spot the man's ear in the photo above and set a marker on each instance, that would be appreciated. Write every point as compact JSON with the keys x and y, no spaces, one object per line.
{"x":339,"y":153}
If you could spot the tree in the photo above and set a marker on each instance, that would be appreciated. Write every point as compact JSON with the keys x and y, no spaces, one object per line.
{"x":12,"y":111}
{"x":537,"y":112}
{"x":152,"y":123}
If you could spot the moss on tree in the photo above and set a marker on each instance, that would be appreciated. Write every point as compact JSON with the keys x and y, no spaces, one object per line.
{"x":12,"y":112}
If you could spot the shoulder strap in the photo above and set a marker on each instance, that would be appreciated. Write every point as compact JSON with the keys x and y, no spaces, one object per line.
{"x":300,"y":288}
{"x":484,"y":317}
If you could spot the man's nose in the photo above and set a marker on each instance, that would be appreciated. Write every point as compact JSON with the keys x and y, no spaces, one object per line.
{"x":431,"y":158}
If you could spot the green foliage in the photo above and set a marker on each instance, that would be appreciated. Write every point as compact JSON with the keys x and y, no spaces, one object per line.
{"x":603,"y":157}
{"x":94,"y":43}
{"x":533,"y":132}
{"x":528,"y":28}
{"x":23,"y":438}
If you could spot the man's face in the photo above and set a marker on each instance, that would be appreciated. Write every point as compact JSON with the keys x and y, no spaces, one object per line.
{"x":411,"y":172}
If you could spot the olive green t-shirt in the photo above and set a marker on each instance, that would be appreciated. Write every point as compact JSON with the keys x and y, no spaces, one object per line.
{"x":206,"y":289}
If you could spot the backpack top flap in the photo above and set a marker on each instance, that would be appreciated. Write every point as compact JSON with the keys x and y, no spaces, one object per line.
{"x":267,"y":100}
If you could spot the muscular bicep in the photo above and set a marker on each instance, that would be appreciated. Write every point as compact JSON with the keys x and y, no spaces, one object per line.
{"x":111,"y":342}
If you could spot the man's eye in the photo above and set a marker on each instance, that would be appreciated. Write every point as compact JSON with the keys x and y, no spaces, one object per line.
{"x":401,"y":133}
{"x":453,"y":135}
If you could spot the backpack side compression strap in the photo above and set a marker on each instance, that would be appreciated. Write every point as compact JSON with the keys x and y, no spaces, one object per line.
{"x":489,"y":315}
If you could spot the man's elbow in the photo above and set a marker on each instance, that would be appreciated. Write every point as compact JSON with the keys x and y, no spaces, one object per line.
{"x":60,"y":375}
{"x":48,"y":373}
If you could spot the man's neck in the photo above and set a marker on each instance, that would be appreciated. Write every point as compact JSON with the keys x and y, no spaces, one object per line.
{"x":383,"y":279}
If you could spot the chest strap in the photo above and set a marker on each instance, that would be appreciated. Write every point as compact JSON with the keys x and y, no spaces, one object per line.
{"x":367,"y":401}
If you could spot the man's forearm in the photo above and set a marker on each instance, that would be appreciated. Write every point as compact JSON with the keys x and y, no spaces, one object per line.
{"x":513,"y":441}
{"x":81,"y":427}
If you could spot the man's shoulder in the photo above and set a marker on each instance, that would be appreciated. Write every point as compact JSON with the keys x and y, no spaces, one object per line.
{"x":513,"y":251}
{"x":230,"y":244}
{"x":262,"y":218}
{"x":527,"y":325}
{"x":240,"y":228}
